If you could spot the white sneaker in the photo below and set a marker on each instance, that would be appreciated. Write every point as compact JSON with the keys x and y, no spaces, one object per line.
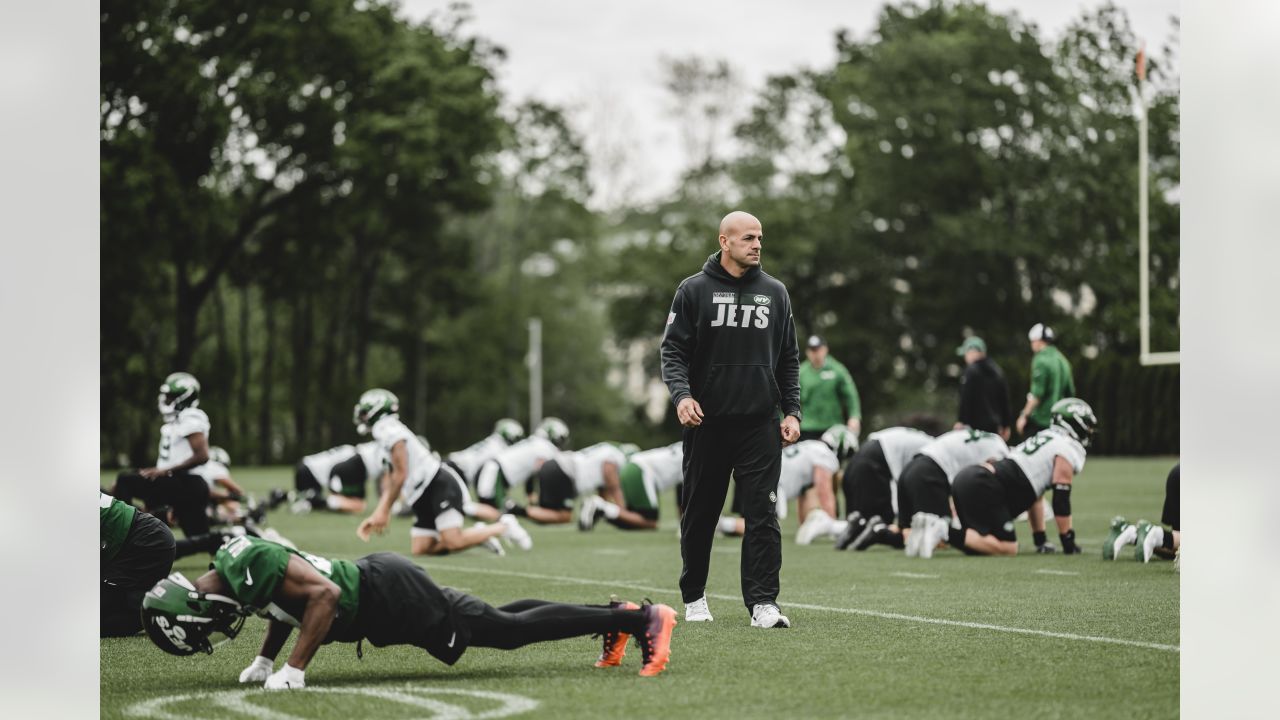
{"x":590,"y":513}
{"x":767,"y":615}
{"x":697,"y":611}
{"x":935,"y":531}
{"x":491,"y":544}
{"x":817,"y":524}
{"x":516,"y":533}
{"x":837,"y":528}
{"x":914,"y":540}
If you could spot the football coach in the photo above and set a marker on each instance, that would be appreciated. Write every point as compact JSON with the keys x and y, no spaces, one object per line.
{"x":731,"y":363}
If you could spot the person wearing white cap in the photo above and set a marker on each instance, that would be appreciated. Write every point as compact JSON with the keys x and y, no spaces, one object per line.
{"x":1051,"y":381}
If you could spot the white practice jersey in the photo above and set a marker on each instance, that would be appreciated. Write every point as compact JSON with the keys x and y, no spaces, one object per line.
{"x":899,"y":445}
{"x":586,"y":466}
{"x":518,"y":461}
{"x":1036,"y":455}
{"x":175,"y":448}
{"x":423,"y":464}
{"x":321,"y":464}
{"x":663,"y":467}
{"x":961,"y":448}
{"x":470,"y":459}
{"x":798,"y":462}
{"x":212,"y":471}
{"x":375,"y":463}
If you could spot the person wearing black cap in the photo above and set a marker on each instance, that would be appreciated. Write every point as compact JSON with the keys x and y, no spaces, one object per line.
{"x":827,"y":393}
{"x":1050,"y":381}
{"x":984,"y":393}
{"x":731,"y":362}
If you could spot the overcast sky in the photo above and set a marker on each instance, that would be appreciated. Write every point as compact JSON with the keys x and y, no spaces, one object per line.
{"x":601,"y":59}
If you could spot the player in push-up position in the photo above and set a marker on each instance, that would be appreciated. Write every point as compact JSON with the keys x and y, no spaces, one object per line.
{"x":989,"y":496}
{"x":383,"y":598}
{"x":633,"y":504}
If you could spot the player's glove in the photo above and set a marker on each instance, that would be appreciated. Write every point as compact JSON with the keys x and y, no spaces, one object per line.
{"x":286,"y":678}
{"x":1046,"y":549}
{"x":1069,"y":545}
{"x":258,"y":671}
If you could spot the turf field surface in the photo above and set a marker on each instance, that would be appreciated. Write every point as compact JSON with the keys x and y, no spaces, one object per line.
{"x":876,"y":634}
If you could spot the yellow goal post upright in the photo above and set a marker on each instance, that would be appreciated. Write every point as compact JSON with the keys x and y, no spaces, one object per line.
{"x":1144,"y":260}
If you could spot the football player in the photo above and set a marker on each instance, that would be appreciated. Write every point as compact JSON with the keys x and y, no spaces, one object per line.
{"x":1150,"y":539}
{"x":989,"y":496}
{"x":517,"y":465}
{"x":224,"y":493}
{"x":137,"y":551}
{"x":342,"y":471}
{"x":925,"y":486}
{"x":870,"y":480}
{"x":570,"y":473}
{"x":173,"y":483}
{"x":806,"y":477}
{"x":383,"y":598}
{"x":419,"y":478}
{"x":634,"y":505}
{"x":467,"y":462}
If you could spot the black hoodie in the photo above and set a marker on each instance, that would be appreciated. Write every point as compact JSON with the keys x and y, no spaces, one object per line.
{"x":730,"y":343}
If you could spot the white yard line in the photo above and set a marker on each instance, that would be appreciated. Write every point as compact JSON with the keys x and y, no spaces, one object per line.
{"x":1043,"y":571}
{"x":916,"y":576}
{"x":820,"y":608}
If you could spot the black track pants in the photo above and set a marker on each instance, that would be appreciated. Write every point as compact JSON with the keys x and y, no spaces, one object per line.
{"x":752,"y":452}
{"x":529,"y":621}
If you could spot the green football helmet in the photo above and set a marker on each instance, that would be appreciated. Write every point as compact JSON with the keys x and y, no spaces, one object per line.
{"x":1076,"y":418}
{"x":218,"y":455}
{"x":841,"y":440}
{"x":180,"y":620}
{"x":374,"y":405}
{"x":178,"y":392}
{"x":510,"y":430}
{"x":554,"y":429}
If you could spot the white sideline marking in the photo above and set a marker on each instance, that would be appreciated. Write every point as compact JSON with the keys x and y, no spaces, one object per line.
{"x":918,"y":576}
{"x":609,"y":551}
{"x":825,"y":608}
{"x":237,"y":701}
{"x":1043,"y":571}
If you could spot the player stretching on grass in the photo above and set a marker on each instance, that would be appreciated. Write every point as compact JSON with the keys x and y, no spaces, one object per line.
{"x":383,"y":598}
{"x":989,"y":496}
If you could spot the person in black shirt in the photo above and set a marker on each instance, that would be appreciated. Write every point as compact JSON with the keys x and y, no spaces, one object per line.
{"x":732,"y":365}
{"x":984,"y":394}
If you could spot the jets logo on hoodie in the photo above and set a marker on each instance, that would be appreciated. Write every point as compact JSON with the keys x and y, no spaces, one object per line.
{"x":743,"y":312}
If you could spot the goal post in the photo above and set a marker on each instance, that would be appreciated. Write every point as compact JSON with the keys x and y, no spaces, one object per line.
{"x":1144,"y":251}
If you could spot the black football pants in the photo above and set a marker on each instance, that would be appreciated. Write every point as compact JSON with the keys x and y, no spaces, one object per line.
{"x":752,"y":452}
{"x":145,"y":559}
{"x":187,"y":494}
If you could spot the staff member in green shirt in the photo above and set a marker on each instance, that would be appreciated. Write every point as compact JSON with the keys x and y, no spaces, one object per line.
{"x":827,"y":393}
{"x":1050,"y":381}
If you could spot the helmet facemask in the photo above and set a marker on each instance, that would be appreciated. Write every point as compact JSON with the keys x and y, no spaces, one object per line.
{"x":183,"y":621}
{"x":178,"y":392}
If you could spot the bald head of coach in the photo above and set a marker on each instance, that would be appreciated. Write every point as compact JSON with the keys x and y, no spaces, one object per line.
{"x":732,"y":365}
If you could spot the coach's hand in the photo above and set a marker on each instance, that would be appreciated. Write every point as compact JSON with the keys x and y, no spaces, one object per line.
{"x":790,"y":430}
{"x":689,"y":412}
{"x":375,"y":524}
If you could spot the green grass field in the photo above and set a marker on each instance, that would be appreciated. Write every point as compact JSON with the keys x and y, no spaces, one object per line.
{"x":876,"y":634}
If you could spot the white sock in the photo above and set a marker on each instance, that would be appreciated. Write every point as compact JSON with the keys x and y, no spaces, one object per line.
{"x":332,"y":502}
{"x":610,"y":510}
{"x":728,"y":524}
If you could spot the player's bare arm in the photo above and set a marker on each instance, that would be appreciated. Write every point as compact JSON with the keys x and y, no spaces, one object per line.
{"x":376,"y":523}
{"x":1063,"y":474}
{"x":318,"y":595}
{"x":199,"y":456}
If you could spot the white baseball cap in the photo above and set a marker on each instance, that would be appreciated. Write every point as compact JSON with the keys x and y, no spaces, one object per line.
{"x":1040,"y":331}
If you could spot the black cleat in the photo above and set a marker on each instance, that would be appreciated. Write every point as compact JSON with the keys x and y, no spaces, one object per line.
{"x":851,"y":532}
{"x":870,"y":535}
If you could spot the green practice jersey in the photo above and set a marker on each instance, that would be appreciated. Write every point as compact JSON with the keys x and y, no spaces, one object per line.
{"x":114,"y":519}
{"x":1050,"y":382}
{"x":254,"y":569}
{"x":826,"y":395}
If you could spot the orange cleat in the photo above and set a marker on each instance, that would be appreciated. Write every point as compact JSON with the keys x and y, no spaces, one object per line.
{"x":655,"y":643}
{"x":615,"y":641}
